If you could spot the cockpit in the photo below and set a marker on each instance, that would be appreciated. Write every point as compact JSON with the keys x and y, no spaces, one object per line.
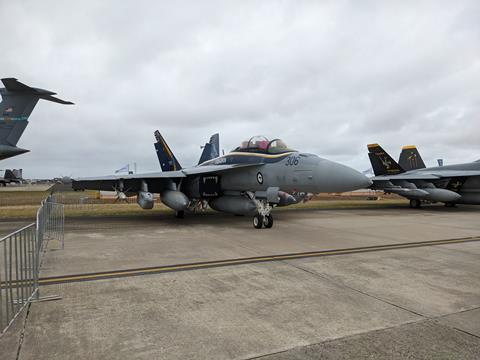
{"x":260,"y":144}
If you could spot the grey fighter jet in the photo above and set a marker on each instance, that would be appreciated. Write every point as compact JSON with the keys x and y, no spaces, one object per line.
{"x":19,"y":100}
{"x":252,"y":179}
{"x":450,"y":184}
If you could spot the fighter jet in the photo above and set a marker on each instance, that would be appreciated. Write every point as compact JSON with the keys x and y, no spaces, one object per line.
{"x":10,"y":176}
{"x":252,"y":179}
{"x":19,"y":100}
{"x":450,"y":184}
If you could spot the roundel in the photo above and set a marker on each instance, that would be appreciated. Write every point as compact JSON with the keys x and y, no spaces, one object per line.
{"x":260,"y":178}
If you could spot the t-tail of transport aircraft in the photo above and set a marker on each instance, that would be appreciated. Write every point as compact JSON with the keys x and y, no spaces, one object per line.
{"x":451,"y":184}
{"x":19,"y":100}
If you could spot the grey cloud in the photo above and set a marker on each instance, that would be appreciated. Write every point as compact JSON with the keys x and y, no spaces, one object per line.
{"x":328,"y":77}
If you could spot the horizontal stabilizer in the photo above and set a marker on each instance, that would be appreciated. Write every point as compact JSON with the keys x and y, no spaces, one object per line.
{"x":15,"y":86}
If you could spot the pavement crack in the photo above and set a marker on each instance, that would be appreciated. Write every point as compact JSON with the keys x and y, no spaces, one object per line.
{"x":269,"y":354}
{"x":455,"y":313}
{"x":342,"y":284}
{"x":466,"y":332}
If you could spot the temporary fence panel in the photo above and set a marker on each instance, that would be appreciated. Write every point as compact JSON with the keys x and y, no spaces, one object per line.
{"x":18,"y":273}
{"x":21,"y":254}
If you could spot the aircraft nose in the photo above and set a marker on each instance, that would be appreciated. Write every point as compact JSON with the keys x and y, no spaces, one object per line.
{"x":335,"y":177}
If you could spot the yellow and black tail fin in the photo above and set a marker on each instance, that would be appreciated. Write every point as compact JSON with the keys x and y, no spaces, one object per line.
{"x":410,"y":158}
{"x":382,"y":163}
{"x":168,"y":161}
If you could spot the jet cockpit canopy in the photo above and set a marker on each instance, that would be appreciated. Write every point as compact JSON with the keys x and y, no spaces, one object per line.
{"x":260,"y":144}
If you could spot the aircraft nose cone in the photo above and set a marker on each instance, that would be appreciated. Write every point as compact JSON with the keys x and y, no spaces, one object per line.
{"x":335,"y":177}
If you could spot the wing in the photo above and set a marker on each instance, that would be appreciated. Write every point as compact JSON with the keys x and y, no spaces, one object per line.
{"x":156,"y":182}
{"x":129,"y":182}
{"x":434,"y":175}
{"x":405,"y":177}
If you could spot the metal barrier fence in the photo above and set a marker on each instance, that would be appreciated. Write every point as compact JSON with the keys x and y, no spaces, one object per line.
{"x":18,"y":275}
{"x":51,"y":221}
{"x":21,"y":255}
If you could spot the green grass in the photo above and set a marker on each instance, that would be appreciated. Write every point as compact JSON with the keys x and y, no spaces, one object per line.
{"x":123,"y":209}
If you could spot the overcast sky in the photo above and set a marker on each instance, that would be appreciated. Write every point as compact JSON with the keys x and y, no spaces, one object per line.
{"x":327,"y":77}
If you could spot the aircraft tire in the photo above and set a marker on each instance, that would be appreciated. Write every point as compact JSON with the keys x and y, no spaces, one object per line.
{"x":258,"y":221}
{"x":268,"y":221}
{"x":415,"y":203}
{"x":180,"y":214}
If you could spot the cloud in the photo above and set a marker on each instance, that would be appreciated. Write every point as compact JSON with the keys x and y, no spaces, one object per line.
{"x":327,"y":77}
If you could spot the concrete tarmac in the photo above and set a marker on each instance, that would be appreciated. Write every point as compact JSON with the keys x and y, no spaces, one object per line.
{"x":405,"y":303}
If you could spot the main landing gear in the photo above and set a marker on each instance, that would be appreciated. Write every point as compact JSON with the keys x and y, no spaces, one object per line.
{"x":263,"y":217}
{"x":415,"y":203}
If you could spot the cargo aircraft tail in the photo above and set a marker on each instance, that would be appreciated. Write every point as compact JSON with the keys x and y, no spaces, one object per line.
{"x":19,"y":100}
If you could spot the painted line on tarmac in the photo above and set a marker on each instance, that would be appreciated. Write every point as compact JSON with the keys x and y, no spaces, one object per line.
{"x":240,"y":261}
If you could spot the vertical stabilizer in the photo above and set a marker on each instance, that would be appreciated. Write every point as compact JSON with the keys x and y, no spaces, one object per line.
{"x":211,"y":150}
{"x":168,"y":161}
{"x":410,"y":158}
{"x":382,"y":162}
{"x":19,"y":100}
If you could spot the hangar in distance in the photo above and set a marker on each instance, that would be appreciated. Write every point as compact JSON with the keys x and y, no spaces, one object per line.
{"x":252,"y":179}
{"x":450,"y":184}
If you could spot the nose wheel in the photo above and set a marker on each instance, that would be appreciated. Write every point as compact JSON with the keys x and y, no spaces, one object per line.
{"x":260,"y":221}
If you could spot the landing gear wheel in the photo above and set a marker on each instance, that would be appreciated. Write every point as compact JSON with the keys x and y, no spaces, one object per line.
{"x":268,"y":221}
{"x":415,"y":203}
{"x":258,"y":221}
{"x":180,"y":214}
{"x":449,"y":204}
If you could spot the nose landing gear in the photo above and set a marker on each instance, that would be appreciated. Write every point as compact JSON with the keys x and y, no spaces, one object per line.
{"x":258,"y":221}
{"x":263,"y":217}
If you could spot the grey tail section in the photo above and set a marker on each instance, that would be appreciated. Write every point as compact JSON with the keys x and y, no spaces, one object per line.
{"x":382,"y":163}
{"x":19,"y":100}
{"x":211,"y":150}
{"x":410,"y":158}
{"x":168,"y":161}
